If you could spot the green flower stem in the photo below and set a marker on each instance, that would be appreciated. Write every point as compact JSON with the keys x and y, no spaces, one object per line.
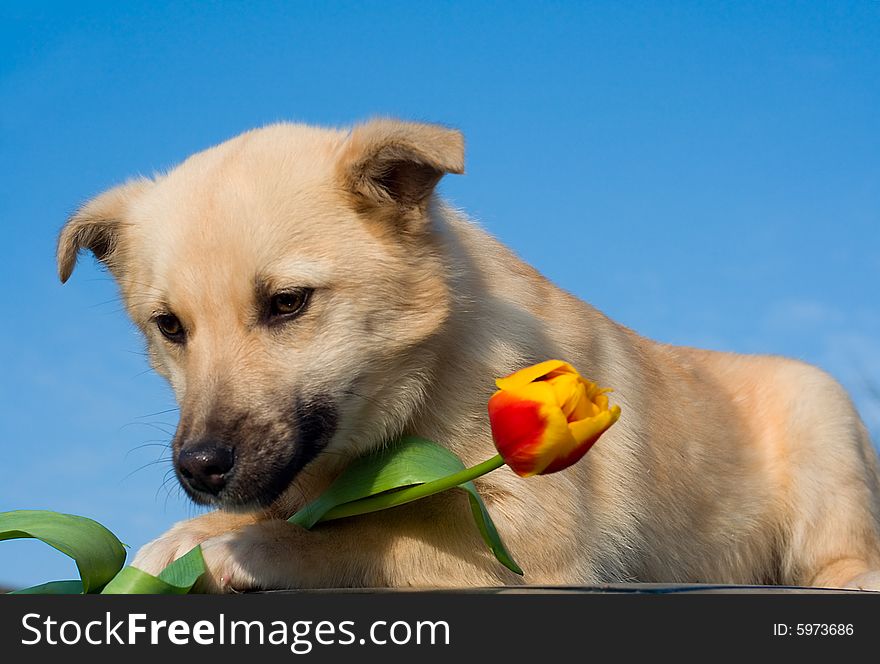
{"x":408,"y":494}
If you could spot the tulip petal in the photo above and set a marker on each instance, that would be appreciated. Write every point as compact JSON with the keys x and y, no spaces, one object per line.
{"x":571,"y":395}
{"x":590,"y":429}
{"x":586,"y":432}
{"x":517,"y":426}
{"x":533,"y":373}
{"x":594,"y":426}
{"x":555,"y":441}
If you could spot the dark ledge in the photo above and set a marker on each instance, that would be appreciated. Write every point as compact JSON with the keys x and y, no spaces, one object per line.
{"x":609,"y":589}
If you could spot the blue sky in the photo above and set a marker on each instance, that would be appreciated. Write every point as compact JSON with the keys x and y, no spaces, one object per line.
{"x":705,"y":173}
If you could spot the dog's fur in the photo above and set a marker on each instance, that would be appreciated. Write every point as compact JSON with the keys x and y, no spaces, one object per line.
{"x":723,"y":468}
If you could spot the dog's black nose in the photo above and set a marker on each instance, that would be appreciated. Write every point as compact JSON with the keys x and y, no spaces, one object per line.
{"x":205,"y":466}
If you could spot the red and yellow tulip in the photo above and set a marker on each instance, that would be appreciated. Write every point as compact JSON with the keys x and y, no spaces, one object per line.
{"x":546,"y":417}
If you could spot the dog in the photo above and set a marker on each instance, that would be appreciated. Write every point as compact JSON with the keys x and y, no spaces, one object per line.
{"x":309,"y":298}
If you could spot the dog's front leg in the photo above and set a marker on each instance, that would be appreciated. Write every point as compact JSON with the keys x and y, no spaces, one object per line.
{"x":183,"y":536}
{"x":431,"y":543}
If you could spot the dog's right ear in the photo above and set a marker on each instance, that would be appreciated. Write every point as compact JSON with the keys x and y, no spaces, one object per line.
{"x":97,"y":226}
{"x":392,"y":164}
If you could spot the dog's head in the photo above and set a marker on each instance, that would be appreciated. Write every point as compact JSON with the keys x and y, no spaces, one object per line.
{"x":285,"y":281}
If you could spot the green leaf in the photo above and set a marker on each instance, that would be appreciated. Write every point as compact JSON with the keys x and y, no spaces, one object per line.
{"x":96,"y":551}
{"x":409,"y":462}
{"x":386,"y":478}
{"x":71,"y":587}
{"x":487,"y":529}
{"x":176,"y":579}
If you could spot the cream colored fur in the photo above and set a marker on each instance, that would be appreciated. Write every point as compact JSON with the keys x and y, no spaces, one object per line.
{"x":723,"y":468}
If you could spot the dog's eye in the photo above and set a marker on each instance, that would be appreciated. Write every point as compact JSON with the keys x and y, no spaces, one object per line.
{"x":287,"y":304}
{"x":170,"y":327}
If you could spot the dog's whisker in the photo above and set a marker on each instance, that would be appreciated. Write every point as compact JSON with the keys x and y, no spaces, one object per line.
{"x":170,"y":476}
{"x":153,"y":425}
{"x":372,"y":401}
{"x":128,"y":280}
{"x":115,"y":300}
{"x":160,"y":412}
{"x":146,"y":465}
{"x":155,"y":442}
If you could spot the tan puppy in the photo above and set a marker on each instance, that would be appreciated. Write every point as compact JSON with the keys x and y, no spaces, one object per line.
{"x":309,"y":298}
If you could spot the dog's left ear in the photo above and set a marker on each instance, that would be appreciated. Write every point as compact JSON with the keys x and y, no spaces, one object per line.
{"x":389,"y":163}
{"x":97,"y":226}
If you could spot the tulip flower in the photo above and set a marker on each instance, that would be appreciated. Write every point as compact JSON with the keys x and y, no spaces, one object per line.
{"x":546,"y":417}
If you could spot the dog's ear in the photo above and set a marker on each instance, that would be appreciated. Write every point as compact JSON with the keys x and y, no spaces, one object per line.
{"x":388,"y":163}
{"x":97,"y":226}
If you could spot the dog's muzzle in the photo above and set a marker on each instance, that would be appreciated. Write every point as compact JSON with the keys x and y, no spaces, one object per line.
{"x":239,"y":462}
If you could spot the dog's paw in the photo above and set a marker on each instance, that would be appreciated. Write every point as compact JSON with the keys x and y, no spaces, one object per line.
{"x":158,"y":554}
{"x":182,"y":537}
{"x":257,"y":557}
{"x":865,"y":581}
{"x":229,"y":563}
